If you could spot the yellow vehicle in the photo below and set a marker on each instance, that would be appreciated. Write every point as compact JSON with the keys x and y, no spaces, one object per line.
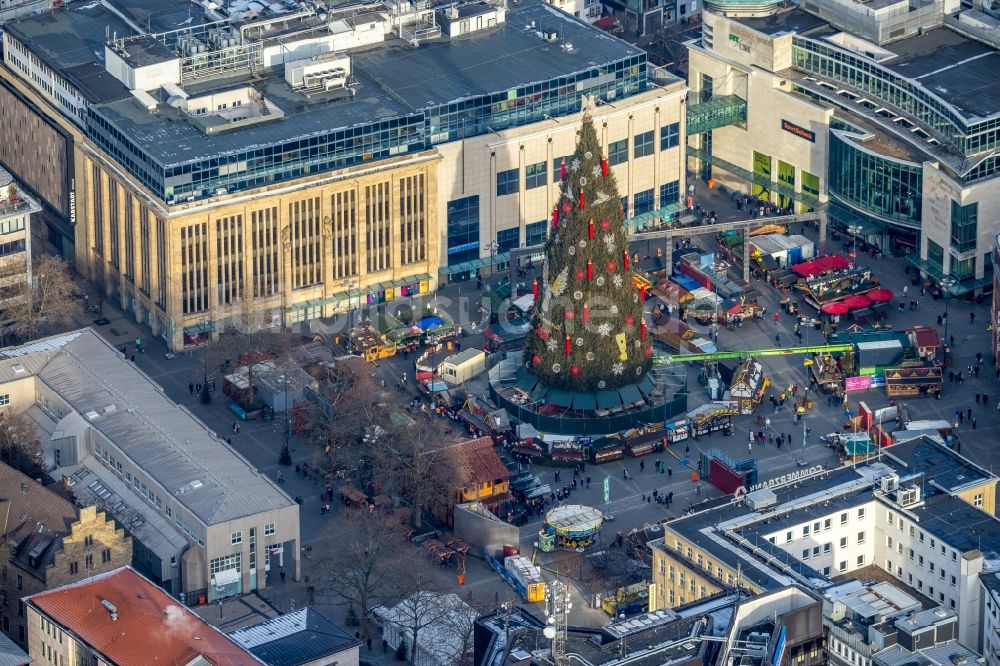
{"x":368,"y":343}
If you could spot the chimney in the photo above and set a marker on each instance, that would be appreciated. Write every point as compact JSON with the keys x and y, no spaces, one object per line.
{"x":111,"y":609}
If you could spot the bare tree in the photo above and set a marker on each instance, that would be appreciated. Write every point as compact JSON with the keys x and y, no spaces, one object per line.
{"x":19,"y":444}
{"x":363,"y":566}
{"x":425,"y":608}
{"x":347,"y":409}
{"x":414,"y":472}
{"x":47,"y":302}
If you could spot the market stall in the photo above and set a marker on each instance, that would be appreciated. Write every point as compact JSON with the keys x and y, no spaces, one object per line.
{"x":677,"y":430}
{"x":913,"y":380}
{"x":607,"y":449}
{"x":749,"y":385}
{"x":712,"y":417}
{"x":573,"y":526}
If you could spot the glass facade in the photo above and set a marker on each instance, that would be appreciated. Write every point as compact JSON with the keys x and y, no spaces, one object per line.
{"x":670,"y":193}
{"x":618,"y":152}
{"x":670,"y":136}
{"x":935,"y":254}
{"x":862,"y":74}
{"x":534,"y":233}
{"x":881,"y":185}
{"x":463,"y":230}
{"x":260,"y":165}
{"x":535,"y":175}
{"x":964,"y":226}
{"x":643,"y":145}
{"x":643,"y":202}
{"x":508,"y":182}
{"x":507,"y":239}
{"x":761,"y":167}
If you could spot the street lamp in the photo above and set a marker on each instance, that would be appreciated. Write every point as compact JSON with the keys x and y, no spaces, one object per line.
{"x":493,"y":248}
{"x":947,"y":282}
{"x":854,"y":230}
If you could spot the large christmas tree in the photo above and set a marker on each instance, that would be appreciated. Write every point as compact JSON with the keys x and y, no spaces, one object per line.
{"x":588,"y":330}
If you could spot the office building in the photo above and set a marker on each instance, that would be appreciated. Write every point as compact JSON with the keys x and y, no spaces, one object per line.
{"x":889,"y":122}
{"x":16,"y":210}
{"x":283,"y":154}
{"x":53,"y":542}
{"x":119,"y":618}
{"x":204,"y":523}
{"x":922,"y":516}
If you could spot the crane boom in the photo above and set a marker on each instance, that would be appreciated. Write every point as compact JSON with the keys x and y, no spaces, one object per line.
{"x":774,"y":351}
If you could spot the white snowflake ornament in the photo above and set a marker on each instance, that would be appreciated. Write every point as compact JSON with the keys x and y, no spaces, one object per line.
{"x":575,"y":164}
{"x":618,"y":368}
{"x":550,"y":344}
{"x":596,"y":171}
{"x":617,"y":279}
{"x":604,"y":329}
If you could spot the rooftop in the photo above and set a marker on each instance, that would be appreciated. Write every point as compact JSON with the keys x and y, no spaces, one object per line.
{"x":795,"y":20}
{"x":944,"y":654}
{"x":299,"y":637}
{"x":960,"y":70}
{"x":396,"y":79}
{"x":126,"y":618}
{"x":945,"y":470}
{"x":195,"y":466}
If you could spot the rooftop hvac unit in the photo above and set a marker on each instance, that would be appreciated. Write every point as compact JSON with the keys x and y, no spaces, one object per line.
{"x":761,"y":499}
{"x":908,"y":496}
{"x":890,"y":483}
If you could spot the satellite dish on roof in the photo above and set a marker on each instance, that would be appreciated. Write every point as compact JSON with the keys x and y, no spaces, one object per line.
{"x":549,"y":632}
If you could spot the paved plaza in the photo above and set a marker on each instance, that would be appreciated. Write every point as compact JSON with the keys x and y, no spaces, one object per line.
{"x":260,"y":442}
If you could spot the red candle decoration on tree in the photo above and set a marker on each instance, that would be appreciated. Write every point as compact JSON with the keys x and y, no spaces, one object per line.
{"x":534,"y":289}
{"x":649,"y":351}
{"x":590,"y":229}
{"x":555,"y":217}
{"x":625,"y":259}
{"x":642,"y":331}
{"x":586,"y":313}
{"x":536,"y":359}
{"x":604,"y":166}
{"x":612,"y":266}
{"x":642,"y":294}
{"x":562,"y":169}
{"x":569,"y":346}
{"x":575,"y":371}
{"x":590,"y":270}
{"x":581,"y":199}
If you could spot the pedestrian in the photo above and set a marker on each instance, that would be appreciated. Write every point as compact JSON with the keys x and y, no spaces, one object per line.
{"x":625,"y":473}
{"x":939,"y":320}
{"x":282,"y":574}
{"x":385,"y":646}
{"x":191,"y":389}
{"x":642,"y":465}
{"x":369,"y":642}
{"x":229,"y":441}
{"x":986,"y":400}
{"x":687,"y":449}
{"x":588,"y":480}
{"x":973,"y":424}
{"x":776,"y":316}
{"x":197,"y":388}
{"x":972,"y":317}
{"x":670,"y":470}
{"x":951,"y":376}
{"x":977,"y":398}
{"x":904,"y":290}
{"x":235,"y":427}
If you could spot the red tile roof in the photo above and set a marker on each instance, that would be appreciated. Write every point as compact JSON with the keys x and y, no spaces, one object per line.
{"x":152,"y":627}
{"x":481,"y":461}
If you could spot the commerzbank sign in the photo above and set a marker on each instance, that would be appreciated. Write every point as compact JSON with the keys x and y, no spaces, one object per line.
{"x":785,"y":479}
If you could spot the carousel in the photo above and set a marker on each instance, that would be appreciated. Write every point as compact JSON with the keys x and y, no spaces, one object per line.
{"x":570,"y":527}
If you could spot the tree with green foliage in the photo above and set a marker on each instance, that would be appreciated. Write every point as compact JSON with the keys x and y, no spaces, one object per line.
{"x":588,"y":332}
